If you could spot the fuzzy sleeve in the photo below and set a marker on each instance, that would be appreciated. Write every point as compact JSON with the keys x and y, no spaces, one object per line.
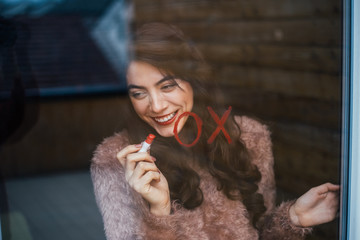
{"x":113,"y":196}
{"x":125,"y":213}
{"x":276,"y":223}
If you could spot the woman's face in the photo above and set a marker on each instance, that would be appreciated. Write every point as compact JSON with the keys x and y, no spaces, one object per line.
{"x":158,"y":99}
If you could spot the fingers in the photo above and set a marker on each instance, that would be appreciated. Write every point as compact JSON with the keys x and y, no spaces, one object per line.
{"x":142,"y":168}
{"x":147,"y":179}
{"x":327,"y":187}
{"x":133,"y":159}
{"x":121,"y":156}
{"x":142,"y":176}
{"x":333,"y":187}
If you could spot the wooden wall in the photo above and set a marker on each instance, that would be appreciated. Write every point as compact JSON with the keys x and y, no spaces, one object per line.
{"x":277,"y":60}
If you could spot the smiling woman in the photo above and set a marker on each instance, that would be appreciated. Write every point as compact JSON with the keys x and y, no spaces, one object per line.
{"x":217,"y":189}
{"x":158,"y":99}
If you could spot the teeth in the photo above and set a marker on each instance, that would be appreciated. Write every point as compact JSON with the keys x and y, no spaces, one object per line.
{"x":166,"y":118}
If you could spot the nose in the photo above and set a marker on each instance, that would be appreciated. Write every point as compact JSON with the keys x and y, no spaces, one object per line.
{"x":157,"y":103}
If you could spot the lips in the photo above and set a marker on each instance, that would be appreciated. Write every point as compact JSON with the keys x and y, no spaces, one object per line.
{"x":166,"y":119}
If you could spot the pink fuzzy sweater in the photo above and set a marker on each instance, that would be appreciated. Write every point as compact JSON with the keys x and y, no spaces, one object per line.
{"x":126,"y":215}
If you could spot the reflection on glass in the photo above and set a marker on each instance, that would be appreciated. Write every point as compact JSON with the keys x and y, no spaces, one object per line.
{"x":278,"y":61}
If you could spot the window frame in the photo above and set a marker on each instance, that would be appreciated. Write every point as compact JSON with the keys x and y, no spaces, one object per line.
{"x":349,"y":212}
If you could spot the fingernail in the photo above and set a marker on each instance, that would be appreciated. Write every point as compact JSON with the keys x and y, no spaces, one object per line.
{"x":154,"y":159}
{"x":138,"y":145}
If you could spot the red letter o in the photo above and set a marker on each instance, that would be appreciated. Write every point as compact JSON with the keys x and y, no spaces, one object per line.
{"x":198,"y":124}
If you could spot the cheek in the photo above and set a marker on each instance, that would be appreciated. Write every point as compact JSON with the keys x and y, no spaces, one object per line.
{"x":190,"y":101}
{"x":189,"y":96}
{"x":181,"y":99}
{"x":139,"y":107}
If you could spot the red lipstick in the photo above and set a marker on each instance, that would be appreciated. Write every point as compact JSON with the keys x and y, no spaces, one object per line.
{"x":167,"y":122}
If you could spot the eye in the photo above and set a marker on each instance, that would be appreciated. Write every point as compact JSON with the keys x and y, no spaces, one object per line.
{"x":137,"y":95}
{"x":169,"y":86}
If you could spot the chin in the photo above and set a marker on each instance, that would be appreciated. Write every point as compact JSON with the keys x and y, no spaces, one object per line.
{"x":167,"y":133}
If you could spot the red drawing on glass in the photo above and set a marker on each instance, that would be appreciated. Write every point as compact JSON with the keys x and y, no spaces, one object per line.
{"x":220,"y":126}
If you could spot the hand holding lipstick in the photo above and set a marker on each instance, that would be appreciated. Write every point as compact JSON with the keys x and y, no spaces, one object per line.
{"x":145,"y":178}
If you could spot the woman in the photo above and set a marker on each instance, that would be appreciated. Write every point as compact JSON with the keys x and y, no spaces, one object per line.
{"x":220,"y":187}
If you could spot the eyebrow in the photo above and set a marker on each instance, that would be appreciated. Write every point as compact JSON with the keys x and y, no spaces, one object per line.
{"x":166,"y":78}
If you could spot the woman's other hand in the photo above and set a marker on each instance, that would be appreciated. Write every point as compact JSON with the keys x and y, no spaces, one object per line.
{"x":318,"y":205}
{"x":145,"y":178}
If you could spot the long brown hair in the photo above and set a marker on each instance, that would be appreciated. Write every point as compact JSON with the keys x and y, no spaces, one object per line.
{"x":165,"y":47}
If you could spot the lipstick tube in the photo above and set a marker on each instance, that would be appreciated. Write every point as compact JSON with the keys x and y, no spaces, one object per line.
{"x":147,"y":143}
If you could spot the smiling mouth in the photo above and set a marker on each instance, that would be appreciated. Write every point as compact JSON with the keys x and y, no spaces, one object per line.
{"x":165,"y":120}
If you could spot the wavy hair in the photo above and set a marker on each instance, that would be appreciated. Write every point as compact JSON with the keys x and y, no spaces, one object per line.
{"x":165,"y":47}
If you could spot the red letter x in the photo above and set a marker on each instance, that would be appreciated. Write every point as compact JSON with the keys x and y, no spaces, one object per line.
{"x":220,"y":124}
